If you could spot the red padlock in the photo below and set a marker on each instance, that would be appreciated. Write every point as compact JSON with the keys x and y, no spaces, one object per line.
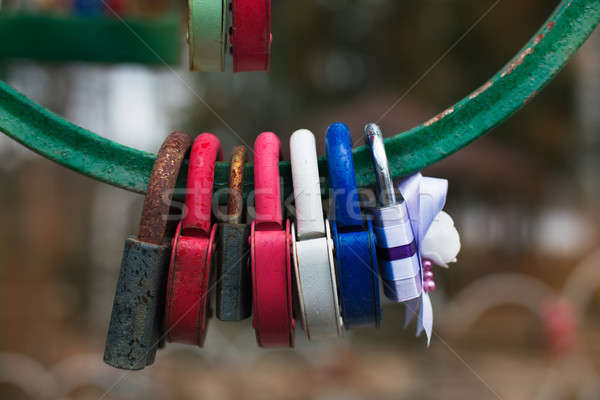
{"x":187,"y":306}
{"x":251,"y":35}
{"x":270,"y":242}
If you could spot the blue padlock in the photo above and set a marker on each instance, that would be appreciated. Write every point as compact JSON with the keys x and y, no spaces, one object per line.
{"x":396,"y":245}
{"x":353,"y":237}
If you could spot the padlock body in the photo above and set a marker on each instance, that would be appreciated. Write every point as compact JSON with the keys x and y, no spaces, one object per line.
{"x":317,"y":288}
{"x":358,"y":277}
{"x":272,"y":290}
{"x":397,"y":252}
{"x":233,"y":275}
{"x":188,"y":300}
{"x":134,"y":333}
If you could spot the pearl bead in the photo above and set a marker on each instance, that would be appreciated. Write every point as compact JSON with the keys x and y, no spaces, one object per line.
{"x":427,"y":265}
{"x":429,"y":286}
{"x":428,"y":275}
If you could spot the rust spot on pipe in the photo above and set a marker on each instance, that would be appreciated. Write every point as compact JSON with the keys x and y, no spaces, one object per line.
{"x":481,"y":89}
{"x":517,"y":61}
{"x":530,"y":97}
{"x":440,"y":116}
{"x":521,"y":57}
{"x":538,"y":39}
{"x":236,"y":182}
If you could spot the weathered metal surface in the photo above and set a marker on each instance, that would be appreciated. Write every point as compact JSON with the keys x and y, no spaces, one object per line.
{"x":93,"y":38}
{"x":134,"y":333}
{"x":233,"y":277}
{"x":188,"y":292}
{"x":235,"y":202}
{"x":160,"y":189}
{"x":497,"y":99}
{"x":234,"y":280}
{"x":135,"y":330}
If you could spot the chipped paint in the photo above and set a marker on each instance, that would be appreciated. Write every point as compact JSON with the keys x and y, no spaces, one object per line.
{"x":440,"y":116}
{"x":521,"y":57}
{"x":481,"y":89}
{"x":517,"y":61}
{"x":530,"y":97}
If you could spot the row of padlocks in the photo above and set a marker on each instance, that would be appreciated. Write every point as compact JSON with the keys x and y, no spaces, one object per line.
{"x":325,"y":274}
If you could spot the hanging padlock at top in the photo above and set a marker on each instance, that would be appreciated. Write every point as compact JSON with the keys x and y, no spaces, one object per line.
{"x":251,"y":35}
{"x":245,"y":25}
{"x":396,"y":245}
{"x":207,"y":35}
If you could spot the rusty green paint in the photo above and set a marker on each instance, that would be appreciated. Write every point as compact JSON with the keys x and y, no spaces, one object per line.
{"x":497,"y":99}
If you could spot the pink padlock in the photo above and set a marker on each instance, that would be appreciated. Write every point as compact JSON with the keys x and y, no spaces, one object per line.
{"x":270,"y":243}
{"x":187,"y":305}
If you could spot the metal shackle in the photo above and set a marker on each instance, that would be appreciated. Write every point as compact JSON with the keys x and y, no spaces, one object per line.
{"x":383,"y":177}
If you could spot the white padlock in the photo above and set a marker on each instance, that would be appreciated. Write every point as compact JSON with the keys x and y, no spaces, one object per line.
{"x":312,"y":245}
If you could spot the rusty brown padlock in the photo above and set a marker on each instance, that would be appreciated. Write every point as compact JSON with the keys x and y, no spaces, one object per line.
{"x":135,"y":330}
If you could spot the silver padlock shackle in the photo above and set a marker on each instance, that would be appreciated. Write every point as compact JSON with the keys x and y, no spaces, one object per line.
{"x":385,"y":185}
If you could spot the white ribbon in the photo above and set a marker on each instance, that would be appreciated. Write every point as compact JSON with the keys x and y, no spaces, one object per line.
{"x":425,"y":198}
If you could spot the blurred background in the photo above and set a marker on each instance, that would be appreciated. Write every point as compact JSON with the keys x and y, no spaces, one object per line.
{"x":515,"y":318}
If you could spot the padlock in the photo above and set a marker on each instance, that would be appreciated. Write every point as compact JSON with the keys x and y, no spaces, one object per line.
{"x":135,"y":329}
{"x":270,"y":243}
{"x":353,"y":237}
{"x":234,"y":281}
{"x":251,"y":35}
{"x":396,"y":245}
{"x":207,"y":35}
{"x":312,"y":247}
{"x":188,"y":305}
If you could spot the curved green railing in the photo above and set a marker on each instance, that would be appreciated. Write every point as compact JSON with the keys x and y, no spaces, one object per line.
{"x":497,"y":99}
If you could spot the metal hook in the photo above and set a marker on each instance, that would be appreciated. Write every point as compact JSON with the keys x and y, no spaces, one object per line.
{"x":385,"y":185}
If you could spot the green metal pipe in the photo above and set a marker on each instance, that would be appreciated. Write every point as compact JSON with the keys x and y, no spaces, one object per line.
{"x":496,"y":100}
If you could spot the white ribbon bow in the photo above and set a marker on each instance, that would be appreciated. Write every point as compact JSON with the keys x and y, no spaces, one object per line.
{"x":435,"y":234}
